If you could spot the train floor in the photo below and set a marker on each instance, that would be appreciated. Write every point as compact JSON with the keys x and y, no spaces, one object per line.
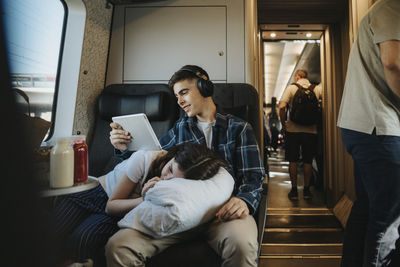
{"x":298,"y":233}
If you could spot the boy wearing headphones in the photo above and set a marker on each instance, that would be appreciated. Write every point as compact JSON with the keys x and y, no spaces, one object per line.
{"x":233,"y":235}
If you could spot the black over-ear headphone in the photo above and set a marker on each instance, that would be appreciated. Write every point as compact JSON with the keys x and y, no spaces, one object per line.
{"x":206,"y":87}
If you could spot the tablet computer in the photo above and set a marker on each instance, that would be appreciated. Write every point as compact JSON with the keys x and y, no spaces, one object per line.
{"x":143,"y":136}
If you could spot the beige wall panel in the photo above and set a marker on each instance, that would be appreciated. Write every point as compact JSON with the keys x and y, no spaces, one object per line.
{"x":357,"y":10}
{"x":329,"y":118}
{"x":338,"y":149}
{"x":253,"y":61}
{"x":346,"y":162}
{"x":338,"y":163}
{"x":93,"y":64}
{"x":160,"y":40}
{"x":127,"y":54}
{"x":251,"y":43}
{"x":327,"y":78}
{"x":116,"y":51}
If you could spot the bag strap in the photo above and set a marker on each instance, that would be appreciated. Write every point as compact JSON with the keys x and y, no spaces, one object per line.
{"x":298,"y":85}
{"x":311,"y":87}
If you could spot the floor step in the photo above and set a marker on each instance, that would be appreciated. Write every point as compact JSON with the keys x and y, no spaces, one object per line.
{"x":280,"y":167}
{"x":278,"y":163}
{"x":303,"y":236}
{"x":299,"y":211}
{"x":270,"y":249}
{"x":276,"y":157}
{"x":299,"y":261}
{"x":275,"y":172}
{"x":298,"y":233}
{"x":305,"y":220}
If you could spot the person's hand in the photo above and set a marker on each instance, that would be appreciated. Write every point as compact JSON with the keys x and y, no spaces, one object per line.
{"x":150,"y":184}
{"x":119,"y":137}
{"x":235,"y":208}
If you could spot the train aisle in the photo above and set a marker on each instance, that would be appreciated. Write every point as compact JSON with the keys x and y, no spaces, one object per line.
{"x":298,"y":233}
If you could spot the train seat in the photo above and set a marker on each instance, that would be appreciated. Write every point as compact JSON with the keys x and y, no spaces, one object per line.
{"x":241,"y":100}
{"x":155,"y":100}
{"x":159,"y":103}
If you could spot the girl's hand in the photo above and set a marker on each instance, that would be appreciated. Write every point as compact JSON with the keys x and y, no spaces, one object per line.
{"x":150,"y":183}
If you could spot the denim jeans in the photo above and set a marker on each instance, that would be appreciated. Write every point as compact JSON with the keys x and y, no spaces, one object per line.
{"x":373,"y":225}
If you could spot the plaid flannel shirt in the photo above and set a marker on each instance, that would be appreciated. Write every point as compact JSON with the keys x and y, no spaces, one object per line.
{"x":234,"y":140}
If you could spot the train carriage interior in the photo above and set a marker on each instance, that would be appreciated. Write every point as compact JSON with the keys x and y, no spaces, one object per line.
{"x":69,"y":66}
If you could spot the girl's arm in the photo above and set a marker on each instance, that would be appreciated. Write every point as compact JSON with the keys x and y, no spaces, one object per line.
{"x":119,"y":202}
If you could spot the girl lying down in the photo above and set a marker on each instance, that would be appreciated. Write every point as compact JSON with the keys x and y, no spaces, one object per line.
{"x":85,"y":221}
{"x":188,"y":191}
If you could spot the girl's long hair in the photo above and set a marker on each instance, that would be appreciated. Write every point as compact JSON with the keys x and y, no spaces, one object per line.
{"x":196,"y":161}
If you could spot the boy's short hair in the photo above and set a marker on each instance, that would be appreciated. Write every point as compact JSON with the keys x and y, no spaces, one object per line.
{"x":187,"y":72}
{"x":302,"y":73}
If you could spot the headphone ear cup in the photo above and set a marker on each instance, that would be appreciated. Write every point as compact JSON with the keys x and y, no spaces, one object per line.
{"x":206,"y":87}
{"x":200,"y":85}
{"x":210,"y":87}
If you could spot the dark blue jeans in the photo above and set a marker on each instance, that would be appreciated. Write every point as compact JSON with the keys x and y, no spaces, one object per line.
{"x":372,"y":228}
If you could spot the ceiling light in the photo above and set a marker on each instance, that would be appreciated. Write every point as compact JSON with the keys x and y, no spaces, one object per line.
{"x":273,"y":35}
{"x":308,"y":34}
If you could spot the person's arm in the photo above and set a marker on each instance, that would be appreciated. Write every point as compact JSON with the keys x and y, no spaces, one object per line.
{"x":119,"y":202}
{"x":283,"y":114}
{"x":250,"y":170}
{"x":390,"y":57}
{"x":284,"y":102}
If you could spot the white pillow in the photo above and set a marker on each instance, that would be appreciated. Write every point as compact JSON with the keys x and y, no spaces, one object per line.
{"x":176,"y":205}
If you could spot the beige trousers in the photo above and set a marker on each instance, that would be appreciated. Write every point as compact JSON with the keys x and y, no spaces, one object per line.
{"x":235,"y":241}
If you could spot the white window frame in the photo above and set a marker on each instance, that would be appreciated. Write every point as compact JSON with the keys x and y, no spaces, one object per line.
{"x":69,"y":69}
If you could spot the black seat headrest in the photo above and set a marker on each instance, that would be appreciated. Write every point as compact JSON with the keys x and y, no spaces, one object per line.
{"x":240,"y":111}
{"x":153,"y":105}
{"x":238,"y":99}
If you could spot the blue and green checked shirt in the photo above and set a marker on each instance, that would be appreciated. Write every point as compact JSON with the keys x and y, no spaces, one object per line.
{"x":235,"y":141}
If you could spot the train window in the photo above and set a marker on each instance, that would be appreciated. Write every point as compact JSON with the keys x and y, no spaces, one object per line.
{"x":44,"y":39}
{"x":33,"y":34}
